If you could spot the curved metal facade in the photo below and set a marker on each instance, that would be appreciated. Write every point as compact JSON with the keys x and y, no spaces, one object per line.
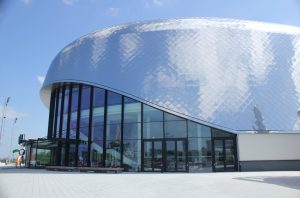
{"x":240,"y":75}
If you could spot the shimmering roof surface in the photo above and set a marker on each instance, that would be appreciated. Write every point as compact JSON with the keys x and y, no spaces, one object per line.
{"x":241,"y":75}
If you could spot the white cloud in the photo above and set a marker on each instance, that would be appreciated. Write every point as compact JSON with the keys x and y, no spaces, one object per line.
{"x":113,"y":12}
{"x":27,"y":1}
{"x":11,"y":113}
{"x":69,"y":2}
{"x":41,"y":79}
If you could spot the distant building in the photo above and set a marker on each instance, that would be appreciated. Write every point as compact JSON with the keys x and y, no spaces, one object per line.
{"x":172,"y":95}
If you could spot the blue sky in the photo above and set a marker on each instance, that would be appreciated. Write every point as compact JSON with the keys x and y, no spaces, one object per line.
{"x":32,"y":32}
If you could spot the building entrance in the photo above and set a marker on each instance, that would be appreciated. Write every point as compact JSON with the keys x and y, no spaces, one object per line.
{"x":165,"y":155}
{"x":224,"y":154}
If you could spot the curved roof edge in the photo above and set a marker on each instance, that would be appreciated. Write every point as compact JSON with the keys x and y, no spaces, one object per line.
{"x":45,"y":95}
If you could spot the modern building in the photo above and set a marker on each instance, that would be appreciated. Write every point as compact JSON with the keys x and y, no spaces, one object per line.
{"x":173,"y":95}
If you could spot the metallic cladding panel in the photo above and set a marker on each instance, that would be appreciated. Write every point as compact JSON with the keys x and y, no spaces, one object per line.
{"x":241,"y":75}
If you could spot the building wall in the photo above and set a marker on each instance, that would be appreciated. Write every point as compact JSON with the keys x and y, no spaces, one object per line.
{"x":269,"y":152}
{"x":220,"y":72}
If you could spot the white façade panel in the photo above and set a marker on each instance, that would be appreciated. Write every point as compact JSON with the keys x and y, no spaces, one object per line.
{"x":241,"y":75}
{"x":272,"y":146}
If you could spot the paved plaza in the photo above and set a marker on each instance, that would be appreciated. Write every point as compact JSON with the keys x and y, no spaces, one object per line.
{"x":39,"y":183}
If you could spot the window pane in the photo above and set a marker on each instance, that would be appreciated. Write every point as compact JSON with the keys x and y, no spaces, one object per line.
{"x":84,"y":133}
{"x":85,"y":106}
{"x":198,"y":130}
{"x":170,"y":117}
{"x":98,"y":100}
{"x":200,"y":155}
{"x":175,"y":129}
{"x":132,"y":155}
{"x":153,"y":130}
{"x":65,"y":112}
{"x":113,"y":153}
{"x":113,"y":132}
{"x":74,"y":107}
{"x":82,"y":155}
{"x":98,"y":107}
{"x":114,"y":108}
{"x":72,"y":154}
{"x":84,"y":113}
{"x":220,"y":133}
{"x":97,"y":153}
{"x":151,"y":114}
{"x":97,"y":132}
{"x":132,"y":131}
{"x":58,"y":113}
{"x":132,"y":111}
{"x":54,"y":108}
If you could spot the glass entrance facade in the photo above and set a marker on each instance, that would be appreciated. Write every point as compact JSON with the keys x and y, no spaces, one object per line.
{"x":95,"y":127}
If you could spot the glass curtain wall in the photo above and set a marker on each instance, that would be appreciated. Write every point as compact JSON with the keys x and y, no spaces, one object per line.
{"x":200,"y":151}
{"x":97,"y":127}
{"x":100,"y":128}
{"x":113,"y":130}
{"x":132,"y":135}
{"x":83,"y":156}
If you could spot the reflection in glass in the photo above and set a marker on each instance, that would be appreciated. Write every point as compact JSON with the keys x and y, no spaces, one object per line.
{"x":65,"y":112}
{"x":198,"y":130}
{"x":82,"y":155}
{"x":230,"y":155}
{"x":113,"y":132}
{"x":84,"y":113}
{"x":152,"y":114}
{"x":220,"y":133}
{"x":97,"y":153}
{"x":174,"y":129}
{"x":132,"y":131}
{"x":219,"y":155}
{"x":153,"y":130}
{"x":58,"y":113}
{"x":170,"y":155}
{"x":113,"y":153}
{"x":74,"y":107}
{"x":114,"y":108}
{"x":181,"y":155}
{"x":54,"y":113}
{"x":132,"y":110}
{"x":157,"y":162}
{"x":170,"y":117}
{"x":72,"y":154}
{"x":147,"y":156}
{"x":132,"y":155}
{"x":98,"y":114}
{"x":200,"y":155}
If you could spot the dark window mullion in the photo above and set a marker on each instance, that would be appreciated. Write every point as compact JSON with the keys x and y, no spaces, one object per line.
{"x":78,"y":124}
{"x":90,"y":125}
{"x":68,"y":125}
{"x":104,"y":128}
{"x":142,"y":143}
{"x":61,"y":111}
{"x":56,"y":112}
{"x":51,"y":114}
{"x":122,"y":126}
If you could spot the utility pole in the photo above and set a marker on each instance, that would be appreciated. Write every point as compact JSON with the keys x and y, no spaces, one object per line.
{"x":11,"y":140}
{"x":6,"y":101}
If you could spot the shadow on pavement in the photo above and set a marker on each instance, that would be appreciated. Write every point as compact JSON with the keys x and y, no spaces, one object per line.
{"x":285,"y":181}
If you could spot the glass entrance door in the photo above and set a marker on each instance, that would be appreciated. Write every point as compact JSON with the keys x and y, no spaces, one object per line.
{"x":224,"y":154}
{"x":153,"y":155}
{"x":165,"y":155}
{"x":176,"y":150}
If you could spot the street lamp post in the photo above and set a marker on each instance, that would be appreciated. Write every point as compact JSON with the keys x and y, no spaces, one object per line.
{"x":11,"y":139}
{"x":3,"y":116}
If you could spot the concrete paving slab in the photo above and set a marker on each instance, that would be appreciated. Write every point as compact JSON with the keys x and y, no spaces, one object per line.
{"x":40,"y":183}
